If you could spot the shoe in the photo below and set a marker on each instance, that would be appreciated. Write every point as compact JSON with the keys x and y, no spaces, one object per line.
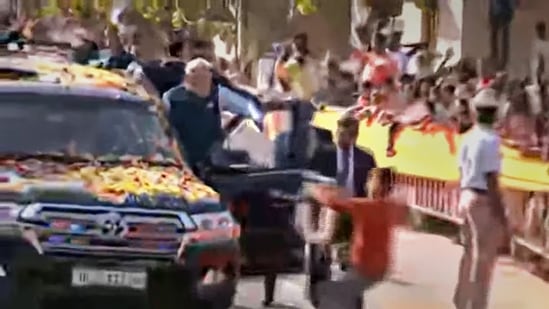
{"x":267,"y":303}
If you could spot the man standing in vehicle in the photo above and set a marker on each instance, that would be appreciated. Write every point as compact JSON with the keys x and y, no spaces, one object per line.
{"x":191,"y":109}
{"x":480,"y":204}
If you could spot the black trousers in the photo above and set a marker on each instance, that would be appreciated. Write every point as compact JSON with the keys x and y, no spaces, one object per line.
{"x":318,"y":270}
{"x":500,"y":42}
{"x":347,"y":293}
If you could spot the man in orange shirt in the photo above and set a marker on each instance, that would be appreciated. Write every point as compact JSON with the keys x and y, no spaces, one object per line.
{"x":373,"y":221}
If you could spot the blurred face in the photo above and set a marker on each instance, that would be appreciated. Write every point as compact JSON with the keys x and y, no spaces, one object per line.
{"x":366,"y":90}
{"x":299,"y":45}
{"x":346,"y":136}
{"x":487,"y":115}
{"x":199,"y":79}
{"x":381,"y":93}
{"x":408,"y":90}
{"x":424,"y":89}
{"x":446,"y":97}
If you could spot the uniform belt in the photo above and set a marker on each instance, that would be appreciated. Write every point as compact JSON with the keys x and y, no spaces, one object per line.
{"x":476,"y":190}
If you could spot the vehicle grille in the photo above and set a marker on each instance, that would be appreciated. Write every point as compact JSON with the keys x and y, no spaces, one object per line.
{"x":109,"y":229}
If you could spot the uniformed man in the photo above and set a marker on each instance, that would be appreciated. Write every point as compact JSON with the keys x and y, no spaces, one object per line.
{"x":480,"y":204}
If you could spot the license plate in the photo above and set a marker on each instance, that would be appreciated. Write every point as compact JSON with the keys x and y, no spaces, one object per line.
{"x":82,"y":277}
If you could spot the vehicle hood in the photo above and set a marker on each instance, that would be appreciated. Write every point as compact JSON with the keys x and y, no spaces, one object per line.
{"x":119,"y":184}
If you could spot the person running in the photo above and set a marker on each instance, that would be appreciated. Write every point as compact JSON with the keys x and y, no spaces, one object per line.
{"x":373,"y":221}
{"x":481,"y":204}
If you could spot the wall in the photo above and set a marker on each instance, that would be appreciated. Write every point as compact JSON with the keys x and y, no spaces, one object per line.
{"x":475,"y":41}
{"x":412,"y":23}
{"x":450,"y":30}
{"x":266,"y":21}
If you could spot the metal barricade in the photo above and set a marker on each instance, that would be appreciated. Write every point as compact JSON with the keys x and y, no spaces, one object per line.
{"x":532,"y":232}
{"x":528,"y":212}
{"x":435,"y":198}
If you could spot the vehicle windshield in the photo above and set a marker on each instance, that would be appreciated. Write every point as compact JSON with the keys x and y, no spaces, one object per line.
{"x":84,"y":126}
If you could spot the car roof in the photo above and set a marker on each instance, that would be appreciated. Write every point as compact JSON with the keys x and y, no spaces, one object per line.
{"x":41,"y":88}
{"x":26,"y":73}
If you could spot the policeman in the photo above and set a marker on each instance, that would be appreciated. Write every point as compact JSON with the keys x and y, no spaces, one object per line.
{"x":480,"y":204}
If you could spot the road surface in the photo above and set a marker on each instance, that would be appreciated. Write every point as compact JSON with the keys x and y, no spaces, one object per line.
{"x":424,"y":276}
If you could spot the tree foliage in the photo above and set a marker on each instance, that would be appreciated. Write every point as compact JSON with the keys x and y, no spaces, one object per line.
{"x":306,"y":7}
{"x":427,"y":5}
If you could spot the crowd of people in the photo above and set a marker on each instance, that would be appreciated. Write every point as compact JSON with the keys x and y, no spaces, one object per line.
{"x":400,"y":86}
{"x":403,"y":82}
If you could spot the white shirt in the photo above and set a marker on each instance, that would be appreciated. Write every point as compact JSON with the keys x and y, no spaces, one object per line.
{"x":443,"y":113}
{"x":539,"y":48}
{"x":265,"y":71}
{"x":350,"y":183}
{"x":402,"y":59}
{"x":478,"y":155}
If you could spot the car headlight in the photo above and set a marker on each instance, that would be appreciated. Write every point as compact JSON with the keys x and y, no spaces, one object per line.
{"x":211,"y":221}
{"x":186,"y":221}
{"x":31,"y":212}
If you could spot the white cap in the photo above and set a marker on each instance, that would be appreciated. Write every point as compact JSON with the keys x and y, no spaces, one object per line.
{"x":485,"y":98}
{"x":398,"y":25}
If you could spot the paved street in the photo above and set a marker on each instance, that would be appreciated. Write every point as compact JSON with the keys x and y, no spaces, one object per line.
{"x":424,"y":276}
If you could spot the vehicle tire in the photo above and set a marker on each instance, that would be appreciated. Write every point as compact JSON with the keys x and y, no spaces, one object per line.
{"x":172,"y":288}
{"x":5,"y":289}
{"x":218,"y":296}
{"x":18,"y":293}
{"x":21,"y":286}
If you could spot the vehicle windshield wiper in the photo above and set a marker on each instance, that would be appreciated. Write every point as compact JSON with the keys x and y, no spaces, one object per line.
{"x":52,"y":156}
{"x":135,"y":160}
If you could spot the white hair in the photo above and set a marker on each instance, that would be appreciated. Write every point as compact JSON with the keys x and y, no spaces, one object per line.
{"x":197,"y":63}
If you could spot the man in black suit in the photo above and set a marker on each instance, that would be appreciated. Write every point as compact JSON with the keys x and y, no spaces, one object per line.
{"x":353,"y":167}
{"x":308,"y":147}
{"x":353,"y":163}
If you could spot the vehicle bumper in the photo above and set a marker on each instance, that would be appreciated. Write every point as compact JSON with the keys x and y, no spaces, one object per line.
{"x":48,"y":275}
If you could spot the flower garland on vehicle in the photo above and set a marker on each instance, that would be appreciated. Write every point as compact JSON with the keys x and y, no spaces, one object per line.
{"x":119,"y":182}
{"x":113,"y":184}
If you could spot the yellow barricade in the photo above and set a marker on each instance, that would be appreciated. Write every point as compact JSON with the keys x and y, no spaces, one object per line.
{"x":431,"y":153}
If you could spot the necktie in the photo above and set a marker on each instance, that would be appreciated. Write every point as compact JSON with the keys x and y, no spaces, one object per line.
{"x":343,"y":168}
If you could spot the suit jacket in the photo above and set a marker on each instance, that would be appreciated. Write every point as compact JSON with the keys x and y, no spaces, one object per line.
{"x":323,"y":158}
{"x":296,"y":153}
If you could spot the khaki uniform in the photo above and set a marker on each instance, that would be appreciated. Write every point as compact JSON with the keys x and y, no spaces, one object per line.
{"x":484,"y":215}
{"x":484,"y":231}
